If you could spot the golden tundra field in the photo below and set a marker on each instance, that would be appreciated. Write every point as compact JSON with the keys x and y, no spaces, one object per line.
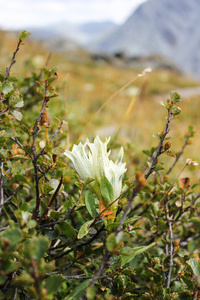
{"x":99,"y":98}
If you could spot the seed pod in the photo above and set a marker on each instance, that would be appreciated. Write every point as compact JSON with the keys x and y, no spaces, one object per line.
{"x":167,"y":145}
{"x":140,"y":178}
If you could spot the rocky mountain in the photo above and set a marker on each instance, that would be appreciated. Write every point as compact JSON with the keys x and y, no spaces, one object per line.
{"x":169,"y":28}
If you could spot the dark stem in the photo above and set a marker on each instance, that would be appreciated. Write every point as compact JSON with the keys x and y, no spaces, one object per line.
{"x":12,"y":61}
{"x":160,"y":146}
{"x":51,"y":201}
{"x":171,"y":246}
{"x":103,"y":261}
{"x":1,"y":185}
{"x":35,"y":156}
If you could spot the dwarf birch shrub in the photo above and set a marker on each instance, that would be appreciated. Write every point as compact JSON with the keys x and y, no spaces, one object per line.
{"x":90,"y":232}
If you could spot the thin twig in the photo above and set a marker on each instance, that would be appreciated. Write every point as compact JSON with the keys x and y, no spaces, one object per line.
{"x":178,"y":155}
{"x":25,"y":294}
{"x":87,"y":242}
{"x":51,"y":138}
{"x":35,"y":156}
{"x":82,"y":276}
{"x":20,"y":145}
{"x":13,"y":60}
{"x":3,"y":111}
{"x":160,"y":146}
{"x":103,"y":261}
{"x":1,"y":185}
{"x":188,"y":207}
{"x":130,"y":200}
{"x":4,"y":228}
{"x":171,"y":246}
{"x":51,"y":201}
{"x":15,"y":295}
{"x":10,"y":197}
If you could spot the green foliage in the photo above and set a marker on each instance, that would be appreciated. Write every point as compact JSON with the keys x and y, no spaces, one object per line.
{"x":58,"y":240}
{"x":106,"y":190}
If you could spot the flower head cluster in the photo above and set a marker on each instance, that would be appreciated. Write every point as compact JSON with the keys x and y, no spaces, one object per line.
{"x":92,"y":160}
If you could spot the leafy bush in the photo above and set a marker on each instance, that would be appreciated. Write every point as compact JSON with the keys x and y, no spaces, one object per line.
{"x":88,"y":237}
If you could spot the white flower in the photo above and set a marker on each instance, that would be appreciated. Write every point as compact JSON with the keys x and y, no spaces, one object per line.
{"x":92,"y":160}
{"x":189,"y":161}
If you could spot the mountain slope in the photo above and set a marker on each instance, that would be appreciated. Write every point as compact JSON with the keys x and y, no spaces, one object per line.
{"x":169,"y":28}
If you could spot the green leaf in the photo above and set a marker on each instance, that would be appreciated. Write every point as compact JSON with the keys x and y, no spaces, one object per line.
{"x":13,"y":235}
{"x":129,"y":254}
{"x":2,"y":138}
{"x":58,"y":150}
{"x":79,"y":291}
{"x":84,"y":229}
{"x":170,"y":153}
{"x":60,"y":164}
{"x":17,"y":115}
{"x":32,"y":224}
{"x":90,"y":203}
{"x":24,"y":206}
{"x":46,"y":188}
{"x":24,"y":34}
{"x":54,"y":70}
{"x":14,"y":98}
{"x":67,"y":229}
{"x":91,"y":292}
{"x":106,"y":190}
{"x":10,"y":132}
{"x":24,"y":128}
{"x":88,"y":180}
{"x":175,"y":97}
{"x":132,"y":220}
{"x":176,"y":111}
{"x":19,"y":104}
{"x":195,"y":266}
{"x":53,"y":283}
{"x":158,"y":167}
{"x":39,"y":246}
{"x":139,"y":250}
{"x":54,"y":184}
{"x":20,"y":178}
{"x":46,"y":72}
{"x":54,"y":214}
{"x":7,"y":88}
{"x":111,"y":242}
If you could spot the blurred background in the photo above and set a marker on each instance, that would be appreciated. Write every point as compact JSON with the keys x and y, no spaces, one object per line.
{"x":168,"y":29}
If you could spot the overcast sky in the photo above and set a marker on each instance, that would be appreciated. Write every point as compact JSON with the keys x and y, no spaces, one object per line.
{"x":22,"y":14}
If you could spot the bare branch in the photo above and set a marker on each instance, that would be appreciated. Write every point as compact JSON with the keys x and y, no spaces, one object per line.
{"x":171,"y":246}
{"x":130,"y":200}
{"x":12,"y":61}
{"x":3,"y":111}
{"x":103,"y":261}
{"x":160,"y":146}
